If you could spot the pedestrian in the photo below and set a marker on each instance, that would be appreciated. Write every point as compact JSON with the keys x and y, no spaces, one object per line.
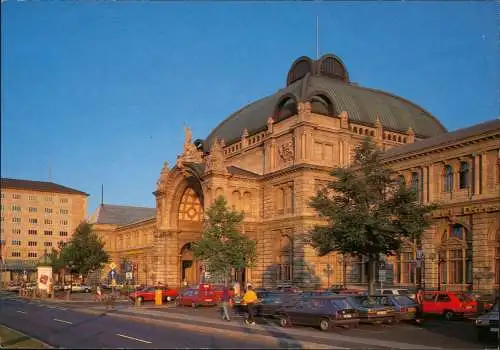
{"x":226,"y":303}
{"x":250,"y":299}
{"x":420,"y":301}
{"x":99,"y":293}
{"x":236,"y":288}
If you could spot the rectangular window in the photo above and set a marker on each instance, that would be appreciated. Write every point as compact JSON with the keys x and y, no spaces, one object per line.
{"x":32,"y":232}
{"x":33,"y":221}
{"x":63,"y":211}
{"x":47,"y":221}
{"x":16,"y":242}
{"x":48,"y":210}
{"x":32,"y":244}
{"x":63,"y":233}
{"x":16,"y":231}
{"x":16,"y":254}
{"x":47,"y":244}
{"x":64,"y":200}
{"x":47,"y":233}
{"x":456,"y":267}
{"x":48,"y":198}
{"x":32,"y":255}
{"x":32,"y":198}
{"x":16,"y":196}
{"x":16,"y":208}
{"x":64,"y":222}
{"x":16,"y":220}
{"x":32,"y":209}
{"x":3,"y":196}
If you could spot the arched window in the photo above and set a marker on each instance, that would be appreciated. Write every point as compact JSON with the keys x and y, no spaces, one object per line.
{"x":285,"y":266}
{"x":236,"y":200}
{"x":455,"y":257}
{"x":190,"y":207}
{"x":405,"y":268}
{"x":414,"y":181}
{"x":448,"y":178}
{"x":464,"y":175}
{"x":280,"y":199}
{"x":247,"y":203}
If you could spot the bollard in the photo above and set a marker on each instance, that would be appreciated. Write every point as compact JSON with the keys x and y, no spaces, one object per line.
{"x":137,"y":301}
{"x":158,"y":296}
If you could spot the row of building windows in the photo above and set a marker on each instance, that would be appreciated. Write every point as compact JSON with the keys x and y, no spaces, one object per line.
{"x":17,"y":208}
{"x":18,"y":254}
{"x":31,"y":243}
{"x":17,"y":220}
{"x":46,"y":232}
{"x":34,"y":198}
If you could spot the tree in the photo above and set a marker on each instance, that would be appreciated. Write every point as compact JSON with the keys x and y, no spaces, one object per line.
{"x":370,"y":212}
{"x":85,"y":252}
{"x":56,"y":259}
{"x":222,"y":245}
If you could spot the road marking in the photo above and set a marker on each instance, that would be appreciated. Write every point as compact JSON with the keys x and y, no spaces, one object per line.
{"x":136,"y":339}
{"x":21,"y":311}
{"x":58,"y":320}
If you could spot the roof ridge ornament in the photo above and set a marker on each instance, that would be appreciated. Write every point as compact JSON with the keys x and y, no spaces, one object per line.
{"x":344,"y":120}
{"x":270,"y":122}
{"x":214,"y":161}
{"x":190,"y":152}
{"x":411,"y":135}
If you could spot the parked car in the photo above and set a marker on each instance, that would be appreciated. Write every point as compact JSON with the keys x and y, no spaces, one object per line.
{"x":370,"y":309}
{"x":487,"y":324}
{"x":197,"y":297}
{"x":349,"y":291}
{"x":449,"y":304}
{"x":322,"y":312}
{"x":149,"y":293}
{"x":405,"y":307}
{"x":396,"y":291}
{"x":13,"y":287}
{"x":78,"y":287}
{"x":271,"y":302}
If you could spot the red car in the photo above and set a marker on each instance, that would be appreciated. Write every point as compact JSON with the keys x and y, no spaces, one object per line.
{"x":148,"y":294}
{"x":448,"y":304}
{"x":195,"y":297}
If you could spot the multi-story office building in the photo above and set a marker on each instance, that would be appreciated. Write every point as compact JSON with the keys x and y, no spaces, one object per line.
{"x":35,"y":217}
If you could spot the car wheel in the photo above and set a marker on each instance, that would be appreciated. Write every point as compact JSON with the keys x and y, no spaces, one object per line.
{"x":324,"y":324}
{"x":169,"y":299}
{"x":449,"y":315}
{"x":87,"y":290}
{"x":481,"y":335}
{"x":285,"y":322}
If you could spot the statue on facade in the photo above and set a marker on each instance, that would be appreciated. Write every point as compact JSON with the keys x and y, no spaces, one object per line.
{"x":190,"y":152}
{"x":286,"y":151}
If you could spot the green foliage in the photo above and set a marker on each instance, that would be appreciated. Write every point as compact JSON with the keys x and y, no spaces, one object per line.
{"x":369,"y":211}
{"x":55,"y":258}
{"x":222,"y":245}
{"x":85,"y":252}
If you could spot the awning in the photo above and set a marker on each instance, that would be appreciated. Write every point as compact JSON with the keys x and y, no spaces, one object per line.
{"x":18,"y":265}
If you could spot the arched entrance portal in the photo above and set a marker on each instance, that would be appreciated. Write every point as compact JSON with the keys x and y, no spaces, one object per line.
{"x":189,"y":266}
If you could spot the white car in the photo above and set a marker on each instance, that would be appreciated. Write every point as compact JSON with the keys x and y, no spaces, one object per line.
{"x":77,"y":287}
{"x":487,"y":325}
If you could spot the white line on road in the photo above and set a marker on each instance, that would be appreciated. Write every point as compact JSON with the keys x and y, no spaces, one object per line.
{"x":58,"y":320}
{"x":21,"y":311}
{"x":136,"y":339}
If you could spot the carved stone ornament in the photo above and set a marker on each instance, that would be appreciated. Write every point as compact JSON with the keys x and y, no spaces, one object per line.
{"x":270,"y":122}
{"x":304,"y":109}
{"x":344,"y":120}
{"x":214,"y":161}
{"x":161,"y":184}
{"x":411,"y":135}
{"x":286,"y":151}
{"x":190,"y":152}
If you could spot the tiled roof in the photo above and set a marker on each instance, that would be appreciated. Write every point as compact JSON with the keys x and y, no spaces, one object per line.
{"x":362,"y":104}
{"x":41,"y":186}
{"x":121,"y":214}
{"x":444,"y":139}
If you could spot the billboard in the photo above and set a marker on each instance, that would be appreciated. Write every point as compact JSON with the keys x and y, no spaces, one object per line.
{"x":44,"y":277}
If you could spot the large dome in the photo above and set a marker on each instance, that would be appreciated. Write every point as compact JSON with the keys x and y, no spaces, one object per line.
{"x":325,"y":83}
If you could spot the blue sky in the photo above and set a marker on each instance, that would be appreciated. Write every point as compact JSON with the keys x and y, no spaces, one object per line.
{"x":99,"y":91}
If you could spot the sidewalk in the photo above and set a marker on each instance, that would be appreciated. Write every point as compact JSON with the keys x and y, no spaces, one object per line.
{"x":296,"y":336}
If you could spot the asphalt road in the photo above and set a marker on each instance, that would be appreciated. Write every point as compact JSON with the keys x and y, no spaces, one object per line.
{"x":62,"y":327}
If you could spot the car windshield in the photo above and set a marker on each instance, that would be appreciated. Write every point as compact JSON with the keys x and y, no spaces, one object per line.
{"x":404,"y":300}
{"x":403,"y":291}
{"x":464,"y":297}
{"x":367,"y":301}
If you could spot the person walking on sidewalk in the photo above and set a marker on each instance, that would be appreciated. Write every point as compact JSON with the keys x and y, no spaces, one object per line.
{"x":226,"y":299}
{"x":250,"y":299}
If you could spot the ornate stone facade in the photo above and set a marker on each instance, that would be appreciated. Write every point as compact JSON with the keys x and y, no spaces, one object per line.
{"x":271,"y":171}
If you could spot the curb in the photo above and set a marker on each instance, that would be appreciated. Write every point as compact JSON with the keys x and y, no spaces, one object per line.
{"x":26,"y":335}
{"x":271,"y":340}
